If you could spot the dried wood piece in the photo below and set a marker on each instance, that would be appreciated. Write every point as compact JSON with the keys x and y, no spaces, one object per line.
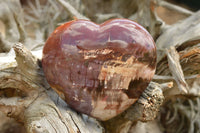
{"x":187,"y":30}
{"x":103,"y":17}
{"x":28,"y":65}
{"x":148,"y":104}
{"x":22,"y":93}
{"x":181,"y":115}
{"x":8,"y":125}
{"x":7,"y":10}
{"x":176,"y":70}
{"x":71,"y":10}
{"x":146,"y":16}
{"x":175,"y":7}
{"x":14,"y":29}
{"x":146,"y":127}
{"x":20,"y":27}
{"x":5,"y":45}
{"x":189,"y":61}
{"x":94,"y":7}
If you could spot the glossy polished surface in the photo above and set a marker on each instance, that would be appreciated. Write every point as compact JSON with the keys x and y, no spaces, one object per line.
{"x":99,"y":70}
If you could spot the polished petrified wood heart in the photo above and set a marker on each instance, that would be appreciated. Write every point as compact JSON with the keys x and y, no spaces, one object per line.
{"x":99,"y":70}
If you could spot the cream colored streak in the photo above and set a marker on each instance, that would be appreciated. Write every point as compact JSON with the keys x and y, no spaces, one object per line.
{"x":101,"y":111}
{"x":125,"y":71}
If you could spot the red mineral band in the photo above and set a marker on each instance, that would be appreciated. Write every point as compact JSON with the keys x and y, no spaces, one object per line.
{"x":99,"y":70}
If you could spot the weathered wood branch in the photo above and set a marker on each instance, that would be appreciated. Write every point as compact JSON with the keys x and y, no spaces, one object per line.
{"x":5,"y":45}
{"x":182,"y":34}
{"x":175,"y":7}
{"x":176,"y":70}
{"x":13,"y":24}
{"x":71,"y":10}
{"x":184,"y":72}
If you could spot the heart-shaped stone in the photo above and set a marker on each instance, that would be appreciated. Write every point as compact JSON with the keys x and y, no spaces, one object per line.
{"x":99,"y":70}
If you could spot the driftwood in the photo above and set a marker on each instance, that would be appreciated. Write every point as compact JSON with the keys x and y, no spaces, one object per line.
{"x":170,"y":102}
